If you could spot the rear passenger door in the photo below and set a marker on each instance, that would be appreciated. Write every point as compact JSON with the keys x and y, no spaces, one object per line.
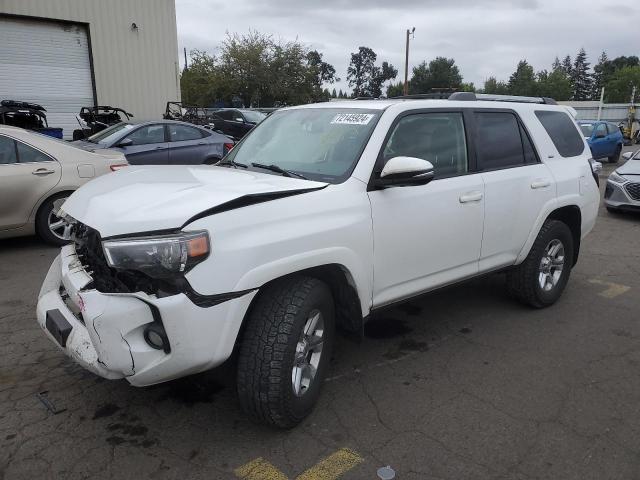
{"x":187,"y":145}
{"x":516,"y":184}
{"x":429,"y":235}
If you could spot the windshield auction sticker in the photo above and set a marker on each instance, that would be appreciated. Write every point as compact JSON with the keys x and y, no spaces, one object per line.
{"x":352,"y":118}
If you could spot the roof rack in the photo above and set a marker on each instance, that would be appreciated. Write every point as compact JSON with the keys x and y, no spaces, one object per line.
{"x":424,"y":96}
{"x":470,"y":96}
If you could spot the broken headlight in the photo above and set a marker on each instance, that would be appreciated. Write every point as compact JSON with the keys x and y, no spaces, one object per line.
{"x":614,"y":177}
{"x":159,"y":256}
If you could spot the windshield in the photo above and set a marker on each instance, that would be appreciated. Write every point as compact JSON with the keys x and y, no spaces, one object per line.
{"x":108,"y":135}
{"x":322,"y":144}
{"x":587,"y":129}
{"x":252,"y":116}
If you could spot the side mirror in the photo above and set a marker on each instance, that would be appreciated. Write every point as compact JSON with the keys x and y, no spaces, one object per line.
{"x":127,"y":142}
{"x":404,"y":172}
{"x":627,"y":155}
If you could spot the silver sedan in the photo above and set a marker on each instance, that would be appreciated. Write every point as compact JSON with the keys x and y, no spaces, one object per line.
{"x":622,"y":192}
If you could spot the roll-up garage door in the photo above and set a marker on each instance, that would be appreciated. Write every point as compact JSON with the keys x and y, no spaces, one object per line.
{"x":46,"y":63}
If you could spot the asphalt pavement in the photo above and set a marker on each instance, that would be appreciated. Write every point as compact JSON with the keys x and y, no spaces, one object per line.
{"x":463,"y":383}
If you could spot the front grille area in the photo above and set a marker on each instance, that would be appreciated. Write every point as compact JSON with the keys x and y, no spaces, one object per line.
{"x":633,"y":189}
{"x":106,"y":279}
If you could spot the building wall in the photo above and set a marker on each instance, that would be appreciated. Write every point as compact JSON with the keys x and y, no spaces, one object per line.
{"x":588,"y":110}
{"x":135,"y":69}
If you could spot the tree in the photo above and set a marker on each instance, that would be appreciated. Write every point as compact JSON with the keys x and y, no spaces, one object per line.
{"x":599,"y":74}
{"x":556,"y":64}
{"x":441,"y":72}
{"x":395,"y":89}
{"x":580,"y":77}
{"x":494,"y":87}
{"x":554,"y":85}
{"x":467,"y":87}
{"x":199,"y":84}
{"x":567,"y":65}
{"x":334,"y":94}
{"x":618,"y":88}
{"x":365,"y":77}
{"x":523,"y":80}
{"x":320,"y":73}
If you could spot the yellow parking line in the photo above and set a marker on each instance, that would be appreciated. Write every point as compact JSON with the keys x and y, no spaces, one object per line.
{"x":613,"y":290}
{"x":259,"y":469}
{"x":333,"y":466}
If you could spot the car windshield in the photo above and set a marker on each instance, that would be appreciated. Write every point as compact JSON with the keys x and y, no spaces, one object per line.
{"x":587,"y":129}
{"x":109,"y":134}
{"x":321,"y":144}
{"x":252,"y":116}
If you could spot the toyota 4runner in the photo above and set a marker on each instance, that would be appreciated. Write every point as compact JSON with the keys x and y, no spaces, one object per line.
{"x":321,"y":216}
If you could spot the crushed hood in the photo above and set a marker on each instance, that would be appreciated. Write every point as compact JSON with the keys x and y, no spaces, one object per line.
{"x":148,"y":198}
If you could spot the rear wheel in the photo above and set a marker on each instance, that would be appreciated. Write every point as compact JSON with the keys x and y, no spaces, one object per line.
{"x":541,"y":278}
{"x":285,"y":351}
{"x":616,"y":155}
{"x":49,"y":227}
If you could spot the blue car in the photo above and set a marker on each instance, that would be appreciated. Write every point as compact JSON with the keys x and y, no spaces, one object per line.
{"x":604,"y":139}
{"x":162,"y":142}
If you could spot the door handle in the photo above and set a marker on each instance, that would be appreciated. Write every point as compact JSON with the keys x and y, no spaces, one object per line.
{"x":159,"y":148}
{"x":471,"y":197}
{"x":43,"y":171}
{"x":202,"y":143}
{"x":540,"y":183}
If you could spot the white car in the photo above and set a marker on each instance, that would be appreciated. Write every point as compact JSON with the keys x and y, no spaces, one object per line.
{"x":37,"y":174}
{"x":622,"y":192}
{"x":321,"y":216}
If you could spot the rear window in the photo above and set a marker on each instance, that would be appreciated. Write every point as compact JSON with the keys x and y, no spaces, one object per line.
{"x":562,"y":131}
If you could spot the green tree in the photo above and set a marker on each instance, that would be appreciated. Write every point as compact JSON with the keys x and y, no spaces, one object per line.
{"x":365,"y":77}
{"x":467,"y":87}
{"x":494,"y":87}
{"x":567,"y":65}
{"x":395,"y":89}
{"x":581,"y":78}
{"x":200,"y":83}
{"x":620,"y":85}
{"x":334,"y":94}
{"x":441,"y":72}
{"x":599,"y":75}
{"x":523,"y":80}
{"x":554,"y":85}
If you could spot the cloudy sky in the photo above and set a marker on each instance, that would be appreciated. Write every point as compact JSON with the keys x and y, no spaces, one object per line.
{"x":486,"y":37}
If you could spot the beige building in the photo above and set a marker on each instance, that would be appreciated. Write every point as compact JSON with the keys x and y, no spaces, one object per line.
{"x":66,"y":54}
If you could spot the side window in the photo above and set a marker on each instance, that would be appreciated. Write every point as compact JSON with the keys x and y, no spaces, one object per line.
{"x":601,"y":130}
{"x":237,"y":116}
{"x":499,"y":142}
{"x":225,"y":114}
{"x":562,"y":131}
{"x":612,"y":128}
{"x":147,"y":135}
{"x":436,"y":137}
{"x":529,"y":152}
{"x":7,"y":151}
{"x":181,"y":133}
{"x":27,"y":154}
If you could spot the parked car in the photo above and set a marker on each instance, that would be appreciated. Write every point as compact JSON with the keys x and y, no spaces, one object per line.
{"x":235,"y":122}
{"x":95,"y":119}
{"x":604,"y":139}
{"x":319,"y":219}
{"x":27,"y":115}
{"x":163,"y":142}
{"x":622,"y":192}
{"x":37,"y":174}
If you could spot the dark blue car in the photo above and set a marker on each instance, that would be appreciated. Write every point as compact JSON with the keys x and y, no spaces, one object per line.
{"x":604,"y":139}
{"x":162,"y":142}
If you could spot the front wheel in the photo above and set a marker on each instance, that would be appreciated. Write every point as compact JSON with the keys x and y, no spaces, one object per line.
{"x":285,"y":351}
{"x":541,"y":278}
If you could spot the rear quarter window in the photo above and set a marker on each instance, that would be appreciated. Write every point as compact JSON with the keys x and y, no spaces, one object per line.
{"x":562,"y":131}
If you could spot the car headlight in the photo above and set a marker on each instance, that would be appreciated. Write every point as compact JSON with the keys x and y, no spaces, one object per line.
{"x":159,"y":256}
{"x":614,"y":177}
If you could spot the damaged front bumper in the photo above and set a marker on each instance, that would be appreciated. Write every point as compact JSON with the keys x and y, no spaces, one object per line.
{"x":104,"y":332}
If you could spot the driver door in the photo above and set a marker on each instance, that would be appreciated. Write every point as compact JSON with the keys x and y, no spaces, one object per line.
{"x":149,"y":146}
{"x":429,"y":235}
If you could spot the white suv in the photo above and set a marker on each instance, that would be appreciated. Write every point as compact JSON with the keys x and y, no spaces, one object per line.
{"x":322,"y":215}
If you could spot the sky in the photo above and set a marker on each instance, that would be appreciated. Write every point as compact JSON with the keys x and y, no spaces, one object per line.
{"x":485,"y":37}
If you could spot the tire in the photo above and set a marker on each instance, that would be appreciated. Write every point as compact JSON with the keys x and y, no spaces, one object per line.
{"x":524,"y":281}
{"x":616,"y":155}
{"x":45,"y":217}
{"x":270,"y":346}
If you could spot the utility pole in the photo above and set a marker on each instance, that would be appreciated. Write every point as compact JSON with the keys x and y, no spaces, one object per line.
{"x":600,"y":104}
{"x":185,"y":58}
{"x":405,"y":89}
